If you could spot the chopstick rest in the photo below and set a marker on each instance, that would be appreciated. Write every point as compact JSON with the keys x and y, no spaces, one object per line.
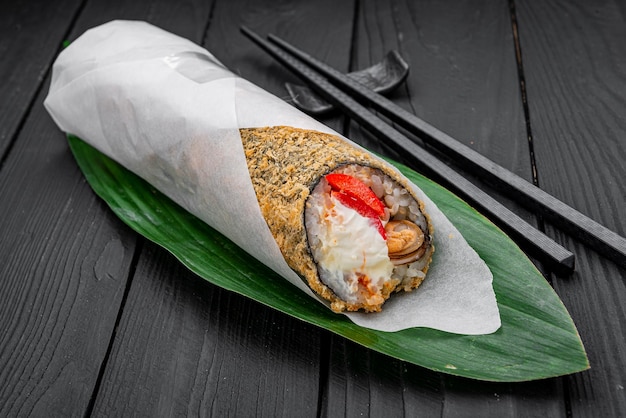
{"x":382,"y":77}
{"x":533,"y":240}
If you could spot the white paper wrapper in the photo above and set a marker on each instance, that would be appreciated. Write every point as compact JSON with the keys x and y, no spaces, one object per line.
{"x":154,"y":102}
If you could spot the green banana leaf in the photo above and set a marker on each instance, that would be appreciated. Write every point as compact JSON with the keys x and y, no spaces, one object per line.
{"x":537,"y":339}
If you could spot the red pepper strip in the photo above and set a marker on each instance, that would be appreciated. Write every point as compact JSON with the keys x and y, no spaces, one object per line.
{"x":361,"y":208}
{"x":356,"y":189}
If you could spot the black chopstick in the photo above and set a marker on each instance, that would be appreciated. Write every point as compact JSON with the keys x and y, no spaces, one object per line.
{"x":585,"y":229}
{"x":533,"y":240}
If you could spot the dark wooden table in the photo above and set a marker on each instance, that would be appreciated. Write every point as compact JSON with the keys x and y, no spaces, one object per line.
{"x":95,"y":320}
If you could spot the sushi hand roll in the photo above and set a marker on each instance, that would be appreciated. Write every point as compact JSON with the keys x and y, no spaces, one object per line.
{"x":344,"y":221}
{"x":337,"y":222}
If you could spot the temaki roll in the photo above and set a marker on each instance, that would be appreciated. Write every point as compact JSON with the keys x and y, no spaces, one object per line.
{"x":335,"y":221}
{"x":344,"y":221}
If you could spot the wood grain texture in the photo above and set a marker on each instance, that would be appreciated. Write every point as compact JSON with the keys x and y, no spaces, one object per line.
{"x":64,"y":262}
{"x":65,"y":257}
{"x":575,"y":66}
{"x":307,"y":24}
{"x":186,"y":18}
{"x":463,"y":77}
{"x":31,"y":34}
{"x":187,"y":348}
{"x":364,"y":383}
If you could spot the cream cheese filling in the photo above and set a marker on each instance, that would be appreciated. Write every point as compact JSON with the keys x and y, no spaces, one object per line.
{"x":351,"y":251}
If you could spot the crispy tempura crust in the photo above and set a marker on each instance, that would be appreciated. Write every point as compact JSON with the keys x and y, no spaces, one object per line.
{"x":285,"y":164}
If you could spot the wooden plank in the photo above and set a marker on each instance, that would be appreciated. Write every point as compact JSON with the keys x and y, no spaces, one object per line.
{"x":462,"y":71}
{"x":63,"y":258}
{"x":576,"y":78}
{"x":185,"y":347}
{"x":64,"y":262}
{"x":31,"y":34}
{"x":463,"y":80}
{"x":365,"y":383}
{"x":187,"y":19}
{"x":307,"y":24}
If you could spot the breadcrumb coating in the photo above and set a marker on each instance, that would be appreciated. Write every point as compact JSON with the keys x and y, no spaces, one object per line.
{"x":285,"y":164}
